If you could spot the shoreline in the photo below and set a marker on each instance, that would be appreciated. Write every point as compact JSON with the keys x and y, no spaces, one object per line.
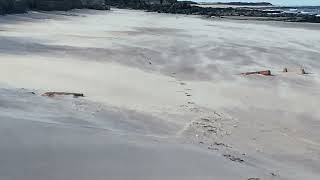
{"x":218,"y":11}
{"x":266,"y":13}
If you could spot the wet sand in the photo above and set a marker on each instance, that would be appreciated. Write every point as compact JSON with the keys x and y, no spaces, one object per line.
{"x":160,"y":89}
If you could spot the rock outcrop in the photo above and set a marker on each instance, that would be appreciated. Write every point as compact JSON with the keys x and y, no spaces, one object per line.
{"x":186,"y":7}
{"x":18,"y":6}
{"x":13,"y":6}
{"x":67,"y":4}
{"x":139,"y":4}
{"x":95,"y":4}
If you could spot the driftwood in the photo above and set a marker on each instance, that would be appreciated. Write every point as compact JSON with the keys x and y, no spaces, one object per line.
{"x":265,"y":73}
{"x":52,"y":94}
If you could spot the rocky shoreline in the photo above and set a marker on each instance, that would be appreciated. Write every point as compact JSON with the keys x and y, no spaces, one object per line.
{"x":188,"y":8}
{"x":160,"y":6}
{"x":21,"y":6}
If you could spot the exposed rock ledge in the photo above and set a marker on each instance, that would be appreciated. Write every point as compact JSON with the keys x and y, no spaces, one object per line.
{"x":18,"y":6}
{"x":186,"y":7}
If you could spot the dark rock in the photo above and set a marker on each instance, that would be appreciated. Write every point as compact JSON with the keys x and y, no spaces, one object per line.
{"x":13,"y":6}
{"x":211,"y":148}
{"x":233,"y":158}
{"x":20,"y":6}
{"x":49,"y":5}
{"x":185,"y":7}
{"x":222,"y":144}
{"x":245,"y":3}
{"x":273,"y":174}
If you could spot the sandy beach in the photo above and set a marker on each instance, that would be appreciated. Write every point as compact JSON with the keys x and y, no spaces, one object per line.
{"x":164,"y":98}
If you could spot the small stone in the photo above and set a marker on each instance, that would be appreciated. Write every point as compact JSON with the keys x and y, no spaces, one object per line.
{"x":302,"y":71}
{"x":273,"y":174}
{"x":211,"y":148}
{"x":233,"y":158}
{"x":205,"y":119}
{"x":285,"y":70}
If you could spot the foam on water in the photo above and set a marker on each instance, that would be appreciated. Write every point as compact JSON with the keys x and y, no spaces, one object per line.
{"x":312,"y":10}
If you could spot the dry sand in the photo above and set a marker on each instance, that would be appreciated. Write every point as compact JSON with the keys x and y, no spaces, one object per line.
{"x":162,"y":93}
